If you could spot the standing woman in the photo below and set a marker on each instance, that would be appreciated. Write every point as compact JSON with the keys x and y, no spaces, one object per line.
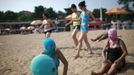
{"x":48,"y":25}
{"x":75,"y":19}
{"x":85,"y":15}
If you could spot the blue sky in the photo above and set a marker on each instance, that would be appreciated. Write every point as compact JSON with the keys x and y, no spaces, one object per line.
{"x":19,"y":5}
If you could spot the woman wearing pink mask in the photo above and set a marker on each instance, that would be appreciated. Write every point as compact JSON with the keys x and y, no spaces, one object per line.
{"x":114,"y":53}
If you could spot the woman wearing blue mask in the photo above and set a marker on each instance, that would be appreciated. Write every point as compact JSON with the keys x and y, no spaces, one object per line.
{"x":51,"y":50}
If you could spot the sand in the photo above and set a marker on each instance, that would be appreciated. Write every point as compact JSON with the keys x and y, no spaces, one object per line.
{"x":17,"y":51}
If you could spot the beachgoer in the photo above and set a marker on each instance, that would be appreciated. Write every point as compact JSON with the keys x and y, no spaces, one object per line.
{"x":55,"y":53}
{"x":48,"y":25}
{"x":114,"y":53}
{"x":85,"y":17}
{"x":75,"y":19}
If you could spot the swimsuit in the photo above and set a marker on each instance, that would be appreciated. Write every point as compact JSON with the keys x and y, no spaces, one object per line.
{"x":114,"y":53}
{"x":84,"y":21}
{"x":76,"y":22}
{"x":47,"y":27}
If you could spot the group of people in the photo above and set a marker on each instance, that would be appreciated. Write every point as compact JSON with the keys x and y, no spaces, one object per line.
{"x":114,"y":51}
{"x":80,"y":23}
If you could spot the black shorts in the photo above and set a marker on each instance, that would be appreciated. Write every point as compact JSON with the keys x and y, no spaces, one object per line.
{"x":49,"y":31}
{"x":76,"y":27}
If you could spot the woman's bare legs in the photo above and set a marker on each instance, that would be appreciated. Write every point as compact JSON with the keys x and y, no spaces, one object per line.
{"x":82,"y":35}
{"x":104,"y":68}
{"x":74,"y":37}
{"x":87,"y":44}
{"x":114,"y":68}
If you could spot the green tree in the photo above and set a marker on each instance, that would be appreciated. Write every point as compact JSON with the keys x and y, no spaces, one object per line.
{"x":52,"y":14}
{"x":125,"y":4}
{"x":25,"y":16}
{"x":38,"y":11}
{"x":61,"y":14}
{"x":96,"y":13}
{"x":2,"y":18}
{"x":10,"y":16}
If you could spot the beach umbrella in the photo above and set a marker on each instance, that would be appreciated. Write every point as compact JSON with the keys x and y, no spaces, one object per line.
{"x":36,"y":22}
{"x":117,"y":11}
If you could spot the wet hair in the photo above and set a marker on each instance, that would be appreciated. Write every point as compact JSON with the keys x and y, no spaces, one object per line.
{"x":73,"y":6}
{"x":82,"y":4}
{"x":45,"y":14}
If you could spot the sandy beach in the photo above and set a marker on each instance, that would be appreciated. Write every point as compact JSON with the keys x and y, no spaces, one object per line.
{"x":17,"y":51}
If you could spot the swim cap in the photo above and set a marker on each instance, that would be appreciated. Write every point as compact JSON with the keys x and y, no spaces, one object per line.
{"x":42,"y":65}
{"x":49,"y":46}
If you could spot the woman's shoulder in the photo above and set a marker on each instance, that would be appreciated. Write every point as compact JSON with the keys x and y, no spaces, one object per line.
{"x":120,"y":41}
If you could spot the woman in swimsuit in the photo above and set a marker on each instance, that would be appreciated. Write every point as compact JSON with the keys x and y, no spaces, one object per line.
{"x":114,"y":53}
{"x":84,"y":28}
{"x":48,"y":25}
{"x":75,"y":19}
{"x":51,"y":50}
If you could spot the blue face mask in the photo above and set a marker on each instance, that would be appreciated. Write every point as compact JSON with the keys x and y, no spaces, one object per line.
{"x":49,"y":46}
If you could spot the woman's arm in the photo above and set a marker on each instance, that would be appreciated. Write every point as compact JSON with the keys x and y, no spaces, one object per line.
{"x":69,"y":17}
{"x":41,"y":26}
{"x":124,"y":49}
{"x":63,"y":60}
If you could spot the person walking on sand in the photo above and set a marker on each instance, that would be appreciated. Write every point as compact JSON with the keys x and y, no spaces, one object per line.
{"x":48,"y":25}
{"x":75,"y":19}
{"x":85,"y":16}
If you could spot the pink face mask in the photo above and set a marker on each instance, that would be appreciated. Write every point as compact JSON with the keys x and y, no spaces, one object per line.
{"x":112,"y":34}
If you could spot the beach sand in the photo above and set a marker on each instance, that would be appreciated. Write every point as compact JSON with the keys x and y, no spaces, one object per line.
{"x":17,"y":51}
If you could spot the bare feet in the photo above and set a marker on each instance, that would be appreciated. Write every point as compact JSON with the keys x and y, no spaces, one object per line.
{"x":93,"y":73}
{"x":77,"y":56}
{"x":91,"y":52}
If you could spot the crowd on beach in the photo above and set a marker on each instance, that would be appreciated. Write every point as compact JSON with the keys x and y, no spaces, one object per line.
{"x":47,"y":62}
